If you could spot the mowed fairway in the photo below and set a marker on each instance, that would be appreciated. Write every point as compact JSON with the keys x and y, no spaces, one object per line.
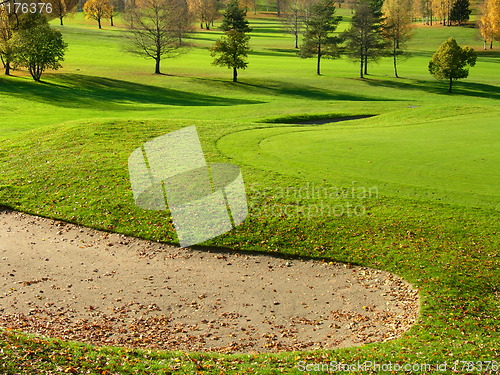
{"x":448,"y":160}
{"x":430,"y":157}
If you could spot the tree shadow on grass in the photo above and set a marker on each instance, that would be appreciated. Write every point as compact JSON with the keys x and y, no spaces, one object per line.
{"x":441,"y":88}
{"x":494,"y":55}
{"x":290,"y":90}
{"x":82,"y":91}
{"x":308,"y":92}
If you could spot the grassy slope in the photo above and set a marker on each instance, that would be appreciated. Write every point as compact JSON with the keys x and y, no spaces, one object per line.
{"x":110,"y":104}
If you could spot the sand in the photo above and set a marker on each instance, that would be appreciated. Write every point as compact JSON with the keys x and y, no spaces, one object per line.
{"x":66,"y":281}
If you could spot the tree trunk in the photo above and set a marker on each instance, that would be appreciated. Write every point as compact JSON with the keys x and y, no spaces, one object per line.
{"x":491,"y":43}
{"x":235,"y":75}
{"x":361,"y":61}
{"x":484,"y":44}
{"x":296,"y":40}
{"x":111,"y":21}
{"x":395,"y":62}
{"x":451,"y":84}
{"x":318,"y":67}
{"x":61,"y":20}
{"x":157,"y":66}
{"x":99,"y":23}
{"x":7,"y":69}
{"x":366,"y":64}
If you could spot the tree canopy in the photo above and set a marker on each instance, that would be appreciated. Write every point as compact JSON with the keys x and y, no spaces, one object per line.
{"x":318,"y":39}
{"x":39,"y":47}
{"x":234,"y":18}
{"x":460,"y":11}
{"x":151,"y":30}
{"x":489,"y":23}
{"x":364,"y":40}
{"x":398,"y":26}
{"x":451,"y":62}
{"x":97,"y":10}
{"x":231,"y":51}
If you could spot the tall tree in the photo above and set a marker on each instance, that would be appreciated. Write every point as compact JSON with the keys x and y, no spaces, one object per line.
{"x":318,"y":39}
{"x":293,"y":19}
{"x":364,"y":40}
{"x":460,"y":11}
{"x":206,"y":11}
{"x":231,"y":51}
{"x":451,"y":61}
{"x":150,"y":32}
{"x":61,"y":8}
{"x":234,"y":18}
{"x":6,"y":46}
{"x":426,"y":10}
{"x":39,"y":48}
{"x":117,"y":7}
{"x":97,"y":10}
{"x":398,"y":26}
{"x":280,"y":5}
{"x":181,"y":24}
{"x":489,"y":22}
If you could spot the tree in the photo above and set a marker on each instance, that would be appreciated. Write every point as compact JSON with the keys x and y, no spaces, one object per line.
{"x":426,"y":10}
{"x":250,"y":4}
{"x":117,"y":6}
{"x":460,"y":11}
{"x":97,"y":10}
{"x":318,"y":39}
{"x":6,"y":33}
{"x":232,"y":50}
{"x":364,"y":39}
{"x":39,"y":48}
{"x":450,"y":62}
{"x":489,"y":23}
{"x":180,"y":25}
{"x":398,"y":26}
{"x":293,"y":20}
{"x":150,"y":31}
{"x":234,"y":18}
{"x":61,"y":8}
{"x":352,"y":4}
{"x":205,"y":11}
{"x":280,"y":5}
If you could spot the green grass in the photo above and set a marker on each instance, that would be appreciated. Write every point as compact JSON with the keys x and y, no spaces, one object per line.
{"x":432,"y":157}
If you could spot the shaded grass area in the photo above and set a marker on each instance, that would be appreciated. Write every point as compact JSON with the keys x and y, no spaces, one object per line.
{"x":79,"y":173}
{"x":77,"y":90}
{"x":314,"y":119}
{"x":460,"y":88}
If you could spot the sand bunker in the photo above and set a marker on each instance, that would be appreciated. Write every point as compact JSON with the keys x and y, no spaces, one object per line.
{"x":66,"y":281}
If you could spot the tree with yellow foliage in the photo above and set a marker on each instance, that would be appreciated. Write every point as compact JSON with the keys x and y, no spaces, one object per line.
{"x":489,"y":23}
{"x":97,"y":10}
{"x":398,"y":26}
